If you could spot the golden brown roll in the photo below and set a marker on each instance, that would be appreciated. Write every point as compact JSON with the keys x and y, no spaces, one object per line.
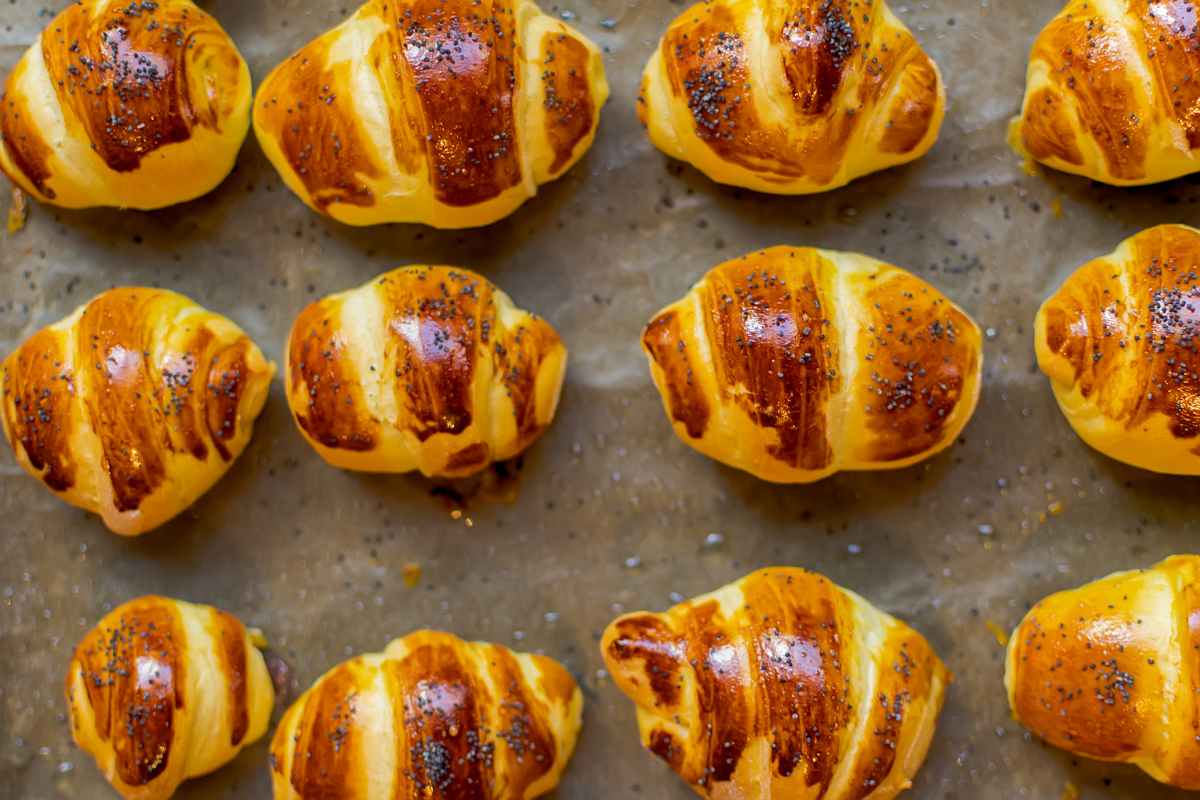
{"x":780,"y":685}
{"x":791,"y":96}
{"x":1111,"y":92}
{"x":1119,"y":344}
{"x":795,"y":363}
{"x":1110,"y":670}
{"x":162,"y":691}
{"x":134,"y":105}
{"x":446,"y":112}
{"x":133,"y":406}
{"x":424,"y":368}
{"x":430,"y":717}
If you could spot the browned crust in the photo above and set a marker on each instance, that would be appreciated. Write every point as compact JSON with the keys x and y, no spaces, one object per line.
{"x":133,"y":669}
{"x":124,"y":74}
{"x":567,"y":95}
{"x":666,"y":345}
{"x":328,"y":759}
{"x":1135,"y":356}
{"x":775,"y":348}
{"x":1047,"y":131}
{"x":822,"y":42}
{"x":918,"y":354}
{"x":462,"y":739}
{"x":915,"y":107}
{"x":38,"y":405}
{"x":440,"y":324}
{"x":462,"y":57}
{"x":465,"y":735}
{"x":438,"y":321}
{"x":1085,"y":678}
{"x":29,"y":151}
{"x":333,"y":412}
{"x":141,"y":410}
{"x":231,"y":636}
{"x":908,"y":665}
{"x":1085,"y":54}
{"x":794,"y":694}
{"x":306,"y":109}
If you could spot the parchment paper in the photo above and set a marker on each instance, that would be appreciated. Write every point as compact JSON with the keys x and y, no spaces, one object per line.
{"x":609,"y":511}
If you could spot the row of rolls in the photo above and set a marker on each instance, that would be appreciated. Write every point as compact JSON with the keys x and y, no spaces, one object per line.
{"x":781,"y":684}
{"x":789,"y":363}
{"x":453,"y":112}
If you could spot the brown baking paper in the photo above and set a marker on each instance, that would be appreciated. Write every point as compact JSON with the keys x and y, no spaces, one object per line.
{"x":608,"y":512}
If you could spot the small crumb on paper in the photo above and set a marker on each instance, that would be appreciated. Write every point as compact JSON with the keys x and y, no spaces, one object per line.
{"x":1000,"y":634}
{"x":1070,"y":792}
{"x":1057,"y":208}
{"x":412,"y":574}
{"x":18,"y":212}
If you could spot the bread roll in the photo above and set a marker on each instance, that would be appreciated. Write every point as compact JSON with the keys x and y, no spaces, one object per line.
{"x":446,"y":112}
{"x":1110,"y":670}
{"x":791,"y":96}
{"x":162,"y":690}
{"x":135,"y":105}
{"x":795,"y":363}
{"x":1118,"y":342}
{"x":780,"y":685}
{"x":424,"y":368}
{"x":133,"y":406}
{"x":430,"y":717}
{"x":1111,"y":92}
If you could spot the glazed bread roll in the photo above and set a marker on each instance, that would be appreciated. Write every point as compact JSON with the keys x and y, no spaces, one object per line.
{"x":1111,"y":93}
{"x":780,"y":685}
{"x":134,"y":105}
{"x":1118,"y":342}
{"x":791,"y":96}
{"x":446,"y":112}
{"x":431,"y":716}
{"x":162,"y":691}
{"x":133,"y":406}
{"x":795,"y":363}
{"x":424,"y":368}
{"x":1109,"y":670}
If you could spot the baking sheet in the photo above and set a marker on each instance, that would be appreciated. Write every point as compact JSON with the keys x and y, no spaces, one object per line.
{"x":609,"y":512}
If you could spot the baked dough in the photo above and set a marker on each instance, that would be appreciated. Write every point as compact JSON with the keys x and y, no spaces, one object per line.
{"x":424,"y":368}
{"x":780,"y":685}
{"x":133,"y":406}
{"x":162,"y":690}
{"x":431,"y":716}
{"x":446,"y":112}
{"x":1119,"y":343}
{"x":139,"y":105}
{"x":1111,"y":92}
{"x":791,"y":96}
{"x":1109,"y":670}
{"x":796,"y":363}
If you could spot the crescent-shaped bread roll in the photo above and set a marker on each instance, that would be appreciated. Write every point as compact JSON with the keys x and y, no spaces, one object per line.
{"x":1119,"y":343}
{"x":796,"y":363}
{"x":446,"y":112}
{"x":424,"y":368}
{"x":780,"y":685}
{"x":791,"y":96}
{"x":133,"y":406}
{"x":1110,"y":670}
{"x":1111,"y":92}
{"x":431,"y":716}
{"x":162,"y":691}
{"x":134,"y":105}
